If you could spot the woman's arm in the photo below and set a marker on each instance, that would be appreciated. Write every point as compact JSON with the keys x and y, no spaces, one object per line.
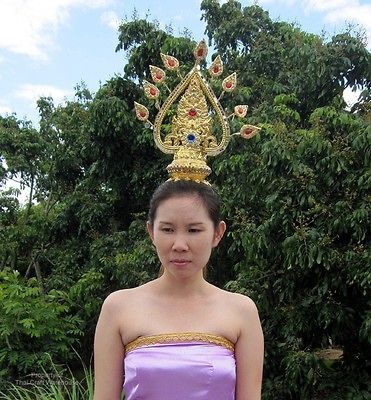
{"x":249,"y":353}
{"x":108,"y":352}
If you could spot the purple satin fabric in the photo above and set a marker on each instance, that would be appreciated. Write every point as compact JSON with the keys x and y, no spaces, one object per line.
{"x":180,"y":371}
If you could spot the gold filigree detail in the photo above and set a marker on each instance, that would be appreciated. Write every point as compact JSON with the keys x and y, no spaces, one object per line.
{"x":192,"y":117}
{"x":191,"y":139}
{"x":179,"y":337}
{"x":203,"y":92}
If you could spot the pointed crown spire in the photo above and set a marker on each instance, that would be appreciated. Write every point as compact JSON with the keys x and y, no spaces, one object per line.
{"x":199,"y":125}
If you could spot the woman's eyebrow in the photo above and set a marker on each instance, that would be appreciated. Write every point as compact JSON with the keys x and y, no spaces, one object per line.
{"x":170,"y":223}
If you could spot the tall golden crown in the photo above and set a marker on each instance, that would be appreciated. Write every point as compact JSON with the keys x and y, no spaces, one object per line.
{"x":194,"y":131}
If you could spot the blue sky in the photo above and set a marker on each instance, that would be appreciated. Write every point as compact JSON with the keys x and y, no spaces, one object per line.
{"x":49,"y":46}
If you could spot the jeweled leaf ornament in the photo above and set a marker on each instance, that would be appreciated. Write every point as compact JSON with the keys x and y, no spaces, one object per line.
{"x":240,"y":111}
{"x":230,"y":82}
{"x":200,"y":52}
{"x":158,"y":75}
{"x":216,"y":68}
{"x":249,"y":131}
{"x":170,"y":62}
{"x":150,"y":90}
{"x":141,"y":111}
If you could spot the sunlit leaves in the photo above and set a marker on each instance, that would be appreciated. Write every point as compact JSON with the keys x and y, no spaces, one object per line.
{"x":33,"y":324}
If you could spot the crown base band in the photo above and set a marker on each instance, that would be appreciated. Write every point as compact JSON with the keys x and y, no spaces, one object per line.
{"x":181,"y":171}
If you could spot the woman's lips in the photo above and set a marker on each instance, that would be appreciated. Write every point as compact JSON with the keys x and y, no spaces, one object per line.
{"x":180,"y":262}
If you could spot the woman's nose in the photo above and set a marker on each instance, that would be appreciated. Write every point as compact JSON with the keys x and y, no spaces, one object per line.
{"x":180,"y":243}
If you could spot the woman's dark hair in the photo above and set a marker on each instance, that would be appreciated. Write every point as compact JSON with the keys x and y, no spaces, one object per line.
{"x":170,"y":189}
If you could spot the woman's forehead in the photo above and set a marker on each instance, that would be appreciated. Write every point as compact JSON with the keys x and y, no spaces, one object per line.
{"x":187,"y":205}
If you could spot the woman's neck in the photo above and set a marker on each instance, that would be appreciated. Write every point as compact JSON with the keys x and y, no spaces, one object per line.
{"x":183,"y":288}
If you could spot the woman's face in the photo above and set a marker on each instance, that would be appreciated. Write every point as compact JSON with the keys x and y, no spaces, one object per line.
{"x":184,"y":235}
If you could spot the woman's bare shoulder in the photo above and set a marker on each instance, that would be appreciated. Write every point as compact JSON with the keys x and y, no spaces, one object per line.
{"x":126,"y":297}
{"x":118,"y":296}
{"x":238,"y":302}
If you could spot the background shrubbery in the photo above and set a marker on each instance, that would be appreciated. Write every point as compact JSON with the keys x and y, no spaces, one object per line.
{"x":296,"y":201}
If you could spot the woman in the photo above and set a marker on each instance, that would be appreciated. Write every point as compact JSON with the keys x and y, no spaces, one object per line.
{"x":179,"y":337}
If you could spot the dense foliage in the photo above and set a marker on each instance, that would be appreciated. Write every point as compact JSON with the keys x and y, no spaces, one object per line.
{"x":296,"y":201}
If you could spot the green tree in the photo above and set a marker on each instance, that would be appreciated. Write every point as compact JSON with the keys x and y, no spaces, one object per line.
{"x":300,"y":229}
{"x":33,"y":326}
{"x":21,"y":149}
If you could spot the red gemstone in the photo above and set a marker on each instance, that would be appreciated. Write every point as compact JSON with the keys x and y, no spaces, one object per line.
{"x":200,"y":52}
{"x":216,"y":69}
{"x":142,"y":114}
{"x":228,"y":85}
{"x":171,"y":63}
{"x":153,"y":91}
{"x":159,"y":76}
{"x":240,"y":110}
{"x":192,"y":112}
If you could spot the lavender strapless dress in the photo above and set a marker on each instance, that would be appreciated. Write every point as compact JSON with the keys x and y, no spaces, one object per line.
{"x":181,"y":366}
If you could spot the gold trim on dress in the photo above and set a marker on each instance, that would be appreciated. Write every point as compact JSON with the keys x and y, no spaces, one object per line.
{"x":142,"y":341}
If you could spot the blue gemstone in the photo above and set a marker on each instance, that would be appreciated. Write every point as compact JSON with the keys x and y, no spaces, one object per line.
{"x":191,"y":138}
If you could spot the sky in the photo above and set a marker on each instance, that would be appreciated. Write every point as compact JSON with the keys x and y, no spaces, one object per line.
{"x":47,"y":47}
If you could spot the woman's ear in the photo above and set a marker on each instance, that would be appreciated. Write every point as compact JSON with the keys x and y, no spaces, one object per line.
{"x":219,"y":232}
{"x":150,"y":230}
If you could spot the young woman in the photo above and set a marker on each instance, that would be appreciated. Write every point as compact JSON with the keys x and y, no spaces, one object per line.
{"x":179,"y":337}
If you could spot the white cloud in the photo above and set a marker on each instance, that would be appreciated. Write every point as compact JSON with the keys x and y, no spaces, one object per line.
{"x":110,"y":19}
{"x":340,"y":11}
{"x":325,"y":5}
{"x":358,"y":13}
{"x":28,"y":26}
{"x":334,"y":11}
{"x":287,"y":3}
{"x":34,"y":92}
{"x":5,"y":110}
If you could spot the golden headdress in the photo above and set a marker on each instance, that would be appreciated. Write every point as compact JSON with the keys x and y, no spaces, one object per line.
{"x":194,"y":132}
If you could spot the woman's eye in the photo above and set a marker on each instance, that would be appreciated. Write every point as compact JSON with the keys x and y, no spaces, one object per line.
{"x":166,"y":229}
{"x":194,"y":230}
